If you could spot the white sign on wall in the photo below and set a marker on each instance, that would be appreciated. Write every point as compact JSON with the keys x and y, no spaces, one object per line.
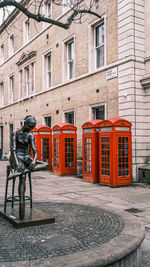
{"x":112,"y":73}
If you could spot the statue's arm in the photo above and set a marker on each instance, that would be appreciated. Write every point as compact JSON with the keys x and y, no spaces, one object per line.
{"x":35,"y":153}
{"x":13,"y":149}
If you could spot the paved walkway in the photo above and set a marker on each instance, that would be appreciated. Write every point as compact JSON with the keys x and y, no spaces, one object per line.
{"x":51,"y":188}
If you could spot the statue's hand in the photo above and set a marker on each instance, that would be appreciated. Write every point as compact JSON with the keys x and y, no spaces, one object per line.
{"x":19,"y":168}
{"x":32,"y":165}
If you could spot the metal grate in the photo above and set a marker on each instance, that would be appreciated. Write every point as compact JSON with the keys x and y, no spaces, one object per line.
{"x":134,"y":210}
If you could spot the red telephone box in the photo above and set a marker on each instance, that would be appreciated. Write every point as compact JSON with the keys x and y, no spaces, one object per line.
{"x":43,"y":141}
{"x":64,"y":149}
{"x":90,"y":150}
{"x":115,"y":155}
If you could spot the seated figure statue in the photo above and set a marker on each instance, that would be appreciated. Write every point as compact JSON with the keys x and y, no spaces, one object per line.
{"x":21,"y":161}
{"x":20,"y":158}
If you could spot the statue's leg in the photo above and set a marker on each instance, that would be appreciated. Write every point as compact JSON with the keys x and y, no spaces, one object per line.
{"x":21,"y":192}
{"x":40,"y":165}
{"x":13,"y":189}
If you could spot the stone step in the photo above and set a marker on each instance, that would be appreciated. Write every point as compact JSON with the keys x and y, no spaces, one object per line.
{"x":144,"y":173}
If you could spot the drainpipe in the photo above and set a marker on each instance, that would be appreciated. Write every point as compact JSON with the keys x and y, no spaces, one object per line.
{"x":135,"y":95}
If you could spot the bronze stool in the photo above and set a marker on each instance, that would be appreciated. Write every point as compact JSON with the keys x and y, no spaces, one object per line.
{"x":14,"y":198}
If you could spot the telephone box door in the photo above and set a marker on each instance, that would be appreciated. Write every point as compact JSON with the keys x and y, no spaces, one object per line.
{"x":87,"y":147}
{"x":123,"y":164}
{"x":69,"y":153}
{"x":56,"y":152}
{"x":45,"y":149}
{"x":106,"y":159}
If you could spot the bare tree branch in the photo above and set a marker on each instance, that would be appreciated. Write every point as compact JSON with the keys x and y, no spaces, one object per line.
{"x":41,"y":18}
{"x":82,"y":11}
{"x":41,"y":2}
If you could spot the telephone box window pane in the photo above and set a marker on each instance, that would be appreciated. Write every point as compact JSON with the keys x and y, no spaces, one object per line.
{"x":87,"y":155}
{"x":45,"y":149}
{"x":56,"y":152}
{"x":105,"y":156}
{"x":69,"y":152}
{"x":123,"y":156}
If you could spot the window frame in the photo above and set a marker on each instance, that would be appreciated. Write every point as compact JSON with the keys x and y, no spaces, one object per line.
{"x":27,"y":31}
{"x":47,"y":72}
{"x":2,"y":93}
{"x":44,"y":120}
{"x":69,"y":112}
{"x":70,"y":61}
{"x":27,"y":88}
{"x":46,"y":13}
{"x":66,"y":5}
{"x":2,"y":54}
{"x":11,"y":88}
{"x":91,"y":40}
{"x":11,"y":45}
{"x":96,"y":47}
{"x":21,"y":123}
{"x":97,"y":105}
{"x":27,"y":80}
{"x":65,"y":68}
{"x":21,"y":84}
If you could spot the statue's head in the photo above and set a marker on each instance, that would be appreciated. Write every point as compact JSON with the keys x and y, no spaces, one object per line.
{"x":29,"y":123}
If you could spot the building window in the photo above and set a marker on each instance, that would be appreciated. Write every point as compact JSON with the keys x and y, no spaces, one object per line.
{"x":70,"y":60}
{"x":47,"y":12}
{"x":1,"y":94}
{"x":11,"y":45}
{"x":48,"y":71}
{"x":26,"y":31}
{"x":11,"y":83}
{"x":21,"y":123}
{"x":47,"y":121}
{"x":67,"y":4}
{"x":2,"y":54}
{"x":21,"y":87}
{"x":99,"y":45}
{"x":11,"y":129}
{"x":27,"y":80}
{"x":48,"y":9}
{"x":98,"y":112}
{"x":68,"y":70}
{"x":69,"y":117}
{"x":32,"y":87}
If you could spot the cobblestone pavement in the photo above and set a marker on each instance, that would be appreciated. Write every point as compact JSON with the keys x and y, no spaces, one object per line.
{"x":50,"y":190}
{"x":76,"y":228}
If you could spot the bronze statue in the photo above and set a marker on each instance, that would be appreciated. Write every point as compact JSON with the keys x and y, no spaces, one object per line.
{"x":20,"y":159}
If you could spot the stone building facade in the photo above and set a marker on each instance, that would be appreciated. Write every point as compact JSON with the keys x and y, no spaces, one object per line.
{"x":97,"y":69}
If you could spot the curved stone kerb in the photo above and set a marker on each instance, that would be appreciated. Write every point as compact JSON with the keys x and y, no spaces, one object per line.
{"x":123,"y":250}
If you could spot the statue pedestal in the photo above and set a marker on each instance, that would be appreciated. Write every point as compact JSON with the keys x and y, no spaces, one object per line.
{"x":32,"y":217}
